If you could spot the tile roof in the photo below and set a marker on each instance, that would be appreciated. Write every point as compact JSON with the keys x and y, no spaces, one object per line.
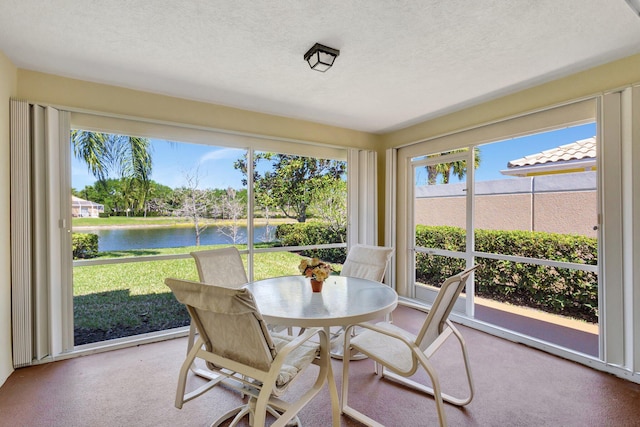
{"x":582,"y":149}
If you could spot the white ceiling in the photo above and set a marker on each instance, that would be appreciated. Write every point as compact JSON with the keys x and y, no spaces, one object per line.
{"x":400,"y":62}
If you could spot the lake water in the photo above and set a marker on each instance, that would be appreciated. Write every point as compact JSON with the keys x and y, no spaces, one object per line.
{"x":168,"y":237}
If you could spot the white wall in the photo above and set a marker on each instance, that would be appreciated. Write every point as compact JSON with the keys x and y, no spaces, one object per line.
{"x":8,"y":88}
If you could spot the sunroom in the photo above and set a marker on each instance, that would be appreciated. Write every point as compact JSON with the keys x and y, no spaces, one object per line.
{"x":390,"y":151}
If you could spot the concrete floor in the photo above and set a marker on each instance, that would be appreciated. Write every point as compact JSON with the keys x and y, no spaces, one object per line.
{"x":515,"y":386}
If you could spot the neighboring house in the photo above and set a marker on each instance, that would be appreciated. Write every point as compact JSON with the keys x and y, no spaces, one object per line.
{"x":81,"y":208}
{"x":578,"y":156}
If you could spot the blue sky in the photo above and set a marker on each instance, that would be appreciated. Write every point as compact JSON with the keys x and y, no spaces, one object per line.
{"x":495,"y":156}
{"x":172,"y":161}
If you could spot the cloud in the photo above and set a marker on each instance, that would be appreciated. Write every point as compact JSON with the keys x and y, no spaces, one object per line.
{"x":220,"y":154}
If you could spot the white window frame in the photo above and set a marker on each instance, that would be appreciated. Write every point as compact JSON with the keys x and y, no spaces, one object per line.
{"x":54,"y":338}
{"x":619,"y":178}
{"x":361,"y":183}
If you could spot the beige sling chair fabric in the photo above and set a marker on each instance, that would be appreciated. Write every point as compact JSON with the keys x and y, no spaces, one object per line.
{"x":364,"y":262}
{"x":367,"y":262}
{"x":398,"y":354}
{"x":236,"y":343}
{"x":220,"y":267}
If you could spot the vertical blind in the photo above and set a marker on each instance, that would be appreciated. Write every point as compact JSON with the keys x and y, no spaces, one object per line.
{"x":40,"y":234}
{"x":362,"y":200}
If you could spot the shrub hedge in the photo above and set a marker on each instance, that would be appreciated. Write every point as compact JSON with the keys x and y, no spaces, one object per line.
{"x":85,"y":245}
{"x":313,"y":233}
{"x":556,"y":290}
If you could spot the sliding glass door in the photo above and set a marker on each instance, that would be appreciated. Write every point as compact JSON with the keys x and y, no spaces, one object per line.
{"x":440,"y":213}
{"x":527,"y":211}
{"x":536,"y":234}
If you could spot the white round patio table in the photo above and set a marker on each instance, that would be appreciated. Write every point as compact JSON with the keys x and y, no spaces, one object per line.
{"x":289,"y":301}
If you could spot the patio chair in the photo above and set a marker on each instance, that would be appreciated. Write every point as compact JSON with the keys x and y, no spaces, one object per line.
{"x":236,"y":343}
{"x":220,"y":267}
{"x":364,"y":262}
{"x":367,"y":262}
{"x":398,"y":354}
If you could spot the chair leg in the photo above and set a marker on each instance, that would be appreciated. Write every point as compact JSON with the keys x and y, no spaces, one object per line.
{"x":182,"y":378}
{"x":457,"y":401}
{"x":437,"y":392}
{"x":467,"y":365}
{"x":344,"y":399}
{"x":238,"y":413}
{"x":204,"y":373}
{"x":192,"y":336}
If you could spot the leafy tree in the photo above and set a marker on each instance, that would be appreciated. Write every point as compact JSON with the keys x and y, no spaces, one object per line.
{"x":118,"y":195}
{"x":105,"y":192}
{"x":290,"y":184}
{"x":127,"y":157}
{"x":157,"y":198}
{"x":329,"y":204}
{"x":105,"y":153}
{"x":444,"y":170}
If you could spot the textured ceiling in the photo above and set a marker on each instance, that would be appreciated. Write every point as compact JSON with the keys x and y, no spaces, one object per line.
{"x":400,"y":62}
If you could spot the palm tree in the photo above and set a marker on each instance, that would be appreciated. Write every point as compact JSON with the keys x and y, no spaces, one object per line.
{"x":128,"y":157}
{"x":459,"y":168}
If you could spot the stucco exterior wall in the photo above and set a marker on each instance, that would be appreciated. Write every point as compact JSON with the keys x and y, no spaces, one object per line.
{"x":567,"y":213}
{"x":449,"y":211}
{"x":556,"y":204}
{"x":504,"y":212}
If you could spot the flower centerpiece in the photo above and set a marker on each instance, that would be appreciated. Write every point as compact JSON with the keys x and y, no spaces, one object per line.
{"x":315,"y":269}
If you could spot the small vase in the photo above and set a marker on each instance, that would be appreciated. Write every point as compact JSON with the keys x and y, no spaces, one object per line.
{"x":316,"y":285}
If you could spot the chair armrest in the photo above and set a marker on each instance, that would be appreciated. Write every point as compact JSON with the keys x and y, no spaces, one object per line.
{"x":297,"y":342}
{"x":375,"y":328}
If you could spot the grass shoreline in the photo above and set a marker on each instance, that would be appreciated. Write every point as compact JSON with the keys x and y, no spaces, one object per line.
{"x":81,"y":224}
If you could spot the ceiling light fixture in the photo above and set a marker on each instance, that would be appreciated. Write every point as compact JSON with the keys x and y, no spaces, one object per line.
{"x":635,"y":5}
{"x":320,"y":57}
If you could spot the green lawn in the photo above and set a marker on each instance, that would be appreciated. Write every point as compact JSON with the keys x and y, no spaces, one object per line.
{"x":120,"y":221}
{"x":111,"y":301}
